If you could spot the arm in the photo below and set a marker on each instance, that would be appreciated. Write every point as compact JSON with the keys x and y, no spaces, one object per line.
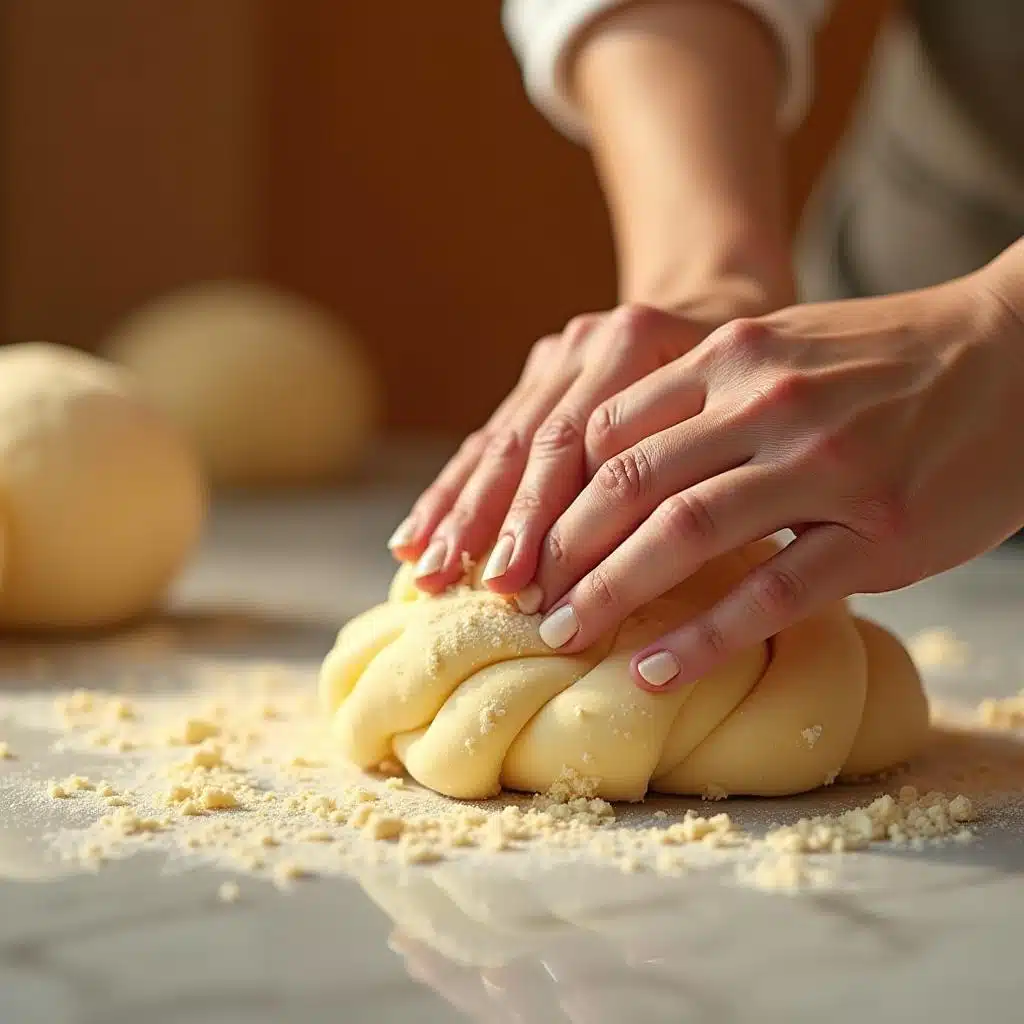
{"x":679,"y":100}
{"x":885,"y":433}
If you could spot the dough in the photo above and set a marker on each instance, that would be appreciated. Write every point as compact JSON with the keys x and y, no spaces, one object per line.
{"x":271,"y":391}
{"x":100,"y":499}
{"x":462,"y":690}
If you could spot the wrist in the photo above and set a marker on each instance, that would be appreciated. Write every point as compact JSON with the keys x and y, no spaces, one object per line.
{"x":1002,"y":288}
{"x":713,"y":295}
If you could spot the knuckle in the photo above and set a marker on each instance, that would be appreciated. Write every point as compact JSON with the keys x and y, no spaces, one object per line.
{"x":540,"y":353}
{"x":600,"y":432}
{"x":634,"y":321}
{"x":777,"y":593}
{"x":709,"y":641}
{"x":686,"y":519}
{"x":578,"y":328}
{"x":506,"y":446}
{"x":472,"y":447}
{"x":626,"y":478}
{"x":554,"y":550}
{"x":745,"y":338}
{"x":556,"y":435}
{"x":600,"y":590}
{"x":524,"y":505}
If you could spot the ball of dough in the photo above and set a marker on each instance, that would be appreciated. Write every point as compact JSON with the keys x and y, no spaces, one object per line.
{"x":462,"y":690}
{"x":271,"y":390}
{"x":100,"y":498}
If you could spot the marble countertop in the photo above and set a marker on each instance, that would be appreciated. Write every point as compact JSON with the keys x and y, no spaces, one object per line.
{"x":931,"y":935}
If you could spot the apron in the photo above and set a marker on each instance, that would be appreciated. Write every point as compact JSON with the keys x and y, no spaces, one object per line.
{"x":929,"y":184}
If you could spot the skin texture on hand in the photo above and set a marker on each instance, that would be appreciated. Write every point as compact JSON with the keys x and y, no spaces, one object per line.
{"x":680,"y":100}
{"x":884,"y":432}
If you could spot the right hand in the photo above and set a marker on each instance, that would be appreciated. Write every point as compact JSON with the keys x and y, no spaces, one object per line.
{"x":530,"y":454}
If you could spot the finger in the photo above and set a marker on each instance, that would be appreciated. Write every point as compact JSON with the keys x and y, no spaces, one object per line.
{"x":411,"y":536}
{"x":680,"y":389}
{"x":822,"y":566}
{"x":410,"y":539}
{"x":472,"y":523}
{"x":660,"y":400}
{"x":624,"y":347}
{"x":683,"y":533}
{"x":628,"y":488}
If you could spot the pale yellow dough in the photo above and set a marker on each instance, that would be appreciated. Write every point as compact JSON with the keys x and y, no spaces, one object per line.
{"x":101,"y":500}
{"x":462,"y":690}
{"x":271,"y":390}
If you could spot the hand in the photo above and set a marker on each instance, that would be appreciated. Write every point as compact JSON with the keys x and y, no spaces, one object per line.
{"x":886,"y":433}
{"x":528,"y":463}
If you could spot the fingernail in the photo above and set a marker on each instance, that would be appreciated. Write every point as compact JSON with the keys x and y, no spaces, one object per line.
{"x":499,"y":559}
{"x":560,"y":626}
{"x":659,"y":668}
{"x":403,"y":534}
{"x":432,"y":560}
{"x":529,"y":599}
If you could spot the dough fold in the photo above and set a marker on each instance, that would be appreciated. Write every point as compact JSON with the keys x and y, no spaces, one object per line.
{"x":463,"y":692}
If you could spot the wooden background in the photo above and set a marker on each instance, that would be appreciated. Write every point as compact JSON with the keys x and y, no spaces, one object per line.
{"x":381,"y":159}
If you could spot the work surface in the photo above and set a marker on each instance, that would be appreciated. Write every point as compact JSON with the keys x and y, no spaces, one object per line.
{"x":914,"y":935}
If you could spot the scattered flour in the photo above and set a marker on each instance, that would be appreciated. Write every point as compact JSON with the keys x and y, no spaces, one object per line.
{"x":242,"y":773}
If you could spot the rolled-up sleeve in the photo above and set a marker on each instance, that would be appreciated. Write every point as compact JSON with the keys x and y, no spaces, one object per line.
{"x":542,"y":33}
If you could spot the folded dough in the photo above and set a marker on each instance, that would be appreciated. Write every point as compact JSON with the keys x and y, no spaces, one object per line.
{"x":462,"y":690}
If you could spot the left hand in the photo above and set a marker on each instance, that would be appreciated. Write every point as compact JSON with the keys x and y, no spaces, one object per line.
{"x":886,"y":433}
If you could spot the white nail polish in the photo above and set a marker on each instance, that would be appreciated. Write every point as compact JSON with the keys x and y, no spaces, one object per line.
{"x":560,"y":626}
{"x":529,"y":599}
{"x":432,"y":560}
{"x":499,"y":559}
{"x":659,"y":668}
{"x":402,"y":535}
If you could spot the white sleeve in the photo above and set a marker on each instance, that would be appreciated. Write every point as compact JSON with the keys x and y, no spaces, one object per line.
{"x":542,"y":32}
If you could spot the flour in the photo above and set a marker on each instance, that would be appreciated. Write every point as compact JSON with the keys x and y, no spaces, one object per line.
{"x":241,"y":772}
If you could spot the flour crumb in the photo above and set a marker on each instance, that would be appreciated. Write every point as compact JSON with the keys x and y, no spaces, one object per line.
{"x":229,"y":892}
{"x":193,"y":731}
{"x":383,"y":827}
{"x":811,"y":735}
{"x":6,"y":754}
{"x":786,"y":872}
{"x":214,"y":799}
{"x":420,"y":854}
{"x":287,"y":871}
{"x":570,"y":784}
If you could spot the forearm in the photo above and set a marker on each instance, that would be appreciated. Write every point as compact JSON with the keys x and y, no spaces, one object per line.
{"x":680,"y":99}
{"x":1004,"y":279}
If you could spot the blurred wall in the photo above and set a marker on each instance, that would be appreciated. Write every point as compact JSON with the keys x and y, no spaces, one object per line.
{"x":379,"y":158}
{"x":131,"y":156}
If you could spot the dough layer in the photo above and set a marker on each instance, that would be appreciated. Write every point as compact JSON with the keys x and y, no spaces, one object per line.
{"x":462,"y":690}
